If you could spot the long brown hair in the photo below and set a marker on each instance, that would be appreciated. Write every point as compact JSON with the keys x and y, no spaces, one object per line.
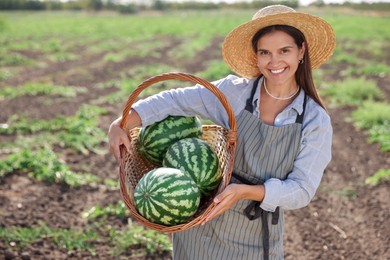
{"x":303,"y":75}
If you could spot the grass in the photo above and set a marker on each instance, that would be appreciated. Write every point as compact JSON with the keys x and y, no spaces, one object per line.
{"x":80,"y":132}
{"x":13,"y":59}
{"x":375,"y":117}
{"x":80,"y":240}
{"x":126,"y":50}
{"x":132,"y":79}
{"x":34,"y":89}
{"x":118,"y":210}
{"x":371,"y":113}
{"x":341,"y":55}
{"x":352,"y":91}
{"x":356,"y":27}
{"x":44,"y":165}
{"x":63,"y":56}
{"x":150,"y":241}
{"x":215,"y":70}
{"x":381,"y":134}
{"x":90,"y":27}
{"x":5,"y":74}
{"x":381,"y":176}
{"x":68,"y":239}
{"x":380,"y":69}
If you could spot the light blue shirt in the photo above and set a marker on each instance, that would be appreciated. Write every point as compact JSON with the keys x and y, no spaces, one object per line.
{"x":315,"y":151}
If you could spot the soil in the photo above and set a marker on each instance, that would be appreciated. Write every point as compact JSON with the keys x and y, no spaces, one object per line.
{"x":347,"y":219}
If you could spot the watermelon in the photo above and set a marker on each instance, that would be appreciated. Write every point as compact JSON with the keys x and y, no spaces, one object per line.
{"x":196,"y":158}
{"x":154,"y":140}
{"x":166,"y":196}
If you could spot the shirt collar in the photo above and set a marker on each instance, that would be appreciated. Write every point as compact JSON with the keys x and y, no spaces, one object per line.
{"x":297,"y":103}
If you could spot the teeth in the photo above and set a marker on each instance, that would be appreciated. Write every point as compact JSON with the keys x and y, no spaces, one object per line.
{"x":277,"y":71}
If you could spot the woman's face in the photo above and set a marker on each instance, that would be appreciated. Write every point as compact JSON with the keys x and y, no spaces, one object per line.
{"x":278,"y":57}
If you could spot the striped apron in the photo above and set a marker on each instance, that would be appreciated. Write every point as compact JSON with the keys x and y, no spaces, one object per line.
{"x":246,"y":231}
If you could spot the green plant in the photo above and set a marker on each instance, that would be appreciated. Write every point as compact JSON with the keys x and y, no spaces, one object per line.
{"x":27,"y":125}
{"x":21,"y":236}
{"x":136,"y":235}
{"x":74,"y":240}
{"x":352,"y":91}
{"x":380,"y":176}
{"x":381,"y":134}
{"x":69,"y":239}
{"x":371,"y":113}
{"x":63,"y":56}
{"x":343,"y":56}
{"x":119,"y":210}
{"x":33,"y":89}
{"x":376,"y":69}
{"x":348,"y":192}
{"x":13,"y":59}
{"x":43,"y":165}
{"x":5,"y":74}
{"x":215,"y":70}
{"x":3,"y":24}
{"x":79,"y":132}
{"x":375,"y":117}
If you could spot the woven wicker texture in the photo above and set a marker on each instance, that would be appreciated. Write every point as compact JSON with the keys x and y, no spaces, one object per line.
{"x":133,"y":166}
{"x":237,"y":48}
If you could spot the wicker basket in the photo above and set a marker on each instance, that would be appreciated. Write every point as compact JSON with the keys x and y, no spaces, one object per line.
{"x":133,"y":166}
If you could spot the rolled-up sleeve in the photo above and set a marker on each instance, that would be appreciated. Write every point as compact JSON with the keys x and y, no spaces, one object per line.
{"x":181,"y":101}
{"x":195,"y":101}
{"x":315,"y":154}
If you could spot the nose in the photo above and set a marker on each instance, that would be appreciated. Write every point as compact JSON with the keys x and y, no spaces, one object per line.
{"x":274,"y":60}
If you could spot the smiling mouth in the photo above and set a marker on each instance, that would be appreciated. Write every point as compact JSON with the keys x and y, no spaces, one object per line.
{"x":277,"y":71}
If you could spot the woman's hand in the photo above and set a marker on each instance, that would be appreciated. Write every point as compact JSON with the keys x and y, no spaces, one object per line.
{"x":233,"y":193}
{"x":117,"y":136}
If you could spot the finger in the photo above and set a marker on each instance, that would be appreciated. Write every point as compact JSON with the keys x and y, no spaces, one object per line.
{"x":218,"y":210}
{"x":115,"y":150}
{"x":212,"y":212}
{"x":127,"y":144}
{"x":220,"y":197}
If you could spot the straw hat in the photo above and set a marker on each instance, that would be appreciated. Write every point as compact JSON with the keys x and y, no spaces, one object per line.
{"x":237,"y":48}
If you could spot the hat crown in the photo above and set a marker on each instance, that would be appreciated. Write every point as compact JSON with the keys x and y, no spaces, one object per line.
{"x":273,"y":9}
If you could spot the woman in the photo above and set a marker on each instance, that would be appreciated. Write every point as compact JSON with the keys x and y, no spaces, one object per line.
{"x":284,"y":133}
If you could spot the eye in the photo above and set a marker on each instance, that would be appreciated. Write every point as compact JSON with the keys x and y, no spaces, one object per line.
{"x":285,"y":51}
{"x":262,"y":52}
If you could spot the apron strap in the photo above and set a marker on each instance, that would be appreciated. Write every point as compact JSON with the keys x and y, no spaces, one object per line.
{"x":249,"y":101}
{"x":254,"y":206}
{"x":299,"y":119}
{"x":264,"y":219}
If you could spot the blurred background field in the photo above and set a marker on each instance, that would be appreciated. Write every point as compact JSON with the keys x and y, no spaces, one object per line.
{"x":66,"y":73}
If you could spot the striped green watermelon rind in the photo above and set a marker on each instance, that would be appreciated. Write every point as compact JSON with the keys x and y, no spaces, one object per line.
{"x":195,"y":157}
{"x":166,"y":196}
{"x":154,"y":140}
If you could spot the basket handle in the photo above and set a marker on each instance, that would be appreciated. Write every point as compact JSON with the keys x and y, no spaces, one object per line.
{"x":186,"y":77}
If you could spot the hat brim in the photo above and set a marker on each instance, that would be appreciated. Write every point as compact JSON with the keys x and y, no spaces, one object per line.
{"x":237,"y":48}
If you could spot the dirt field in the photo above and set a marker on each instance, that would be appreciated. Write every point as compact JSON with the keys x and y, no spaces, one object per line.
{"x":346,"y":220}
